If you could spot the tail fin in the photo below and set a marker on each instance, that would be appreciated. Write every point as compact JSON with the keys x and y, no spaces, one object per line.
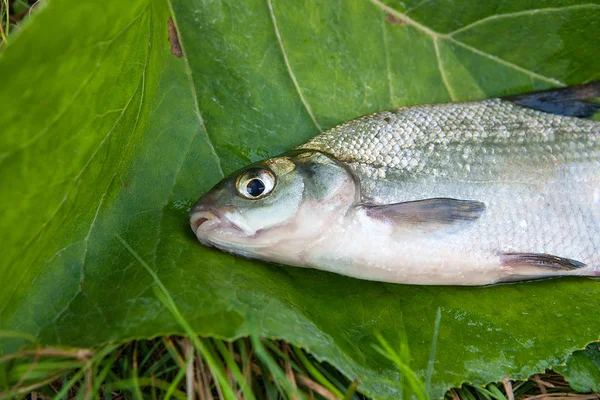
{"x":569,"y":101}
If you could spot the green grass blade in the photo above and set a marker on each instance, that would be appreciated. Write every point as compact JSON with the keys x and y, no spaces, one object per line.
{"x":352,"y":388}
{"x":134,"y":372}
{"x":316,"y":374}
{"x":79,"y":374}
{"x":173,"y":352}
{"x":465,"y":394}
{"x":278,"y":375}
{"x":5,"y":13}
{"x":108,"y":364}
{"x":166,"y":298}
{"x":31,"y":372}
{"x":495,"y":392}
{"x":149,"y":354}
{"x":176,"y":381}
{"x":434,"y":340}
{"x":235,"y":371}
{"x":413,"y":380}
{"x":482,"y":392}
{"x":18,"y":335}
{"x":148,"y":382}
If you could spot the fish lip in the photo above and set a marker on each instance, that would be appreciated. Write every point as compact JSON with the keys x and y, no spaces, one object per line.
{"x":204,"y":218}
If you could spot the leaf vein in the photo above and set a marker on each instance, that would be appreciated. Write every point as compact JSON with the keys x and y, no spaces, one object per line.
{"x":162,"y":210}
{"x":508,"y":64}
{"x":31,"y":141}
{"x":387,"y":60}
{"x":189,"y":72}
{"x":405,"y":18}
{"x":76,"y":183}
{"x":142,"y":84}
{"x":441,"y":69}
{"x":521,"y":13}
{"x":437,"y":35}
{"x":85,"y":254}
{"x":289,"y":67}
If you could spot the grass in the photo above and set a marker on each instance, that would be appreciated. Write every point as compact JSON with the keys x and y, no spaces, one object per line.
{"x":173,"y":367}
{"x":11,"y":13}
{"x":4,"y":21}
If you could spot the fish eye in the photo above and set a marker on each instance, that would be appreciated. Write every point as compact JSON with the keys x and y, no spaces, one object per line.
{"x":255,"y":183}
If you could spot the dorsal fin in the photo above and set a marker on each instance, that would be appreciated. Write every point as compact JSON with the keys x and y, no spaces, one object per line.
{"x":569,"y":101}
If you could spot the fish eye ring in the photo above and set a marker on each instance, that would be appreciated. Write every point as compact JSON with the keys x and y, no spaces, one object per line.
{"x":255,"y":183}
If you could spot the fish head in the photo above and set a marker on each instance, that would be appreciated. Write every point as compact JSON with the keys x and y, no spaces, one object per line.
{"x":275,"y":208}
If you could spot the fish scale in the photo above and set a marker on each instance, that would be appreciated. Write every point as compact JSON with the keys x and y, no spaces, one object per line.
{"x":491,"y":151}
{"x":409,"y":139}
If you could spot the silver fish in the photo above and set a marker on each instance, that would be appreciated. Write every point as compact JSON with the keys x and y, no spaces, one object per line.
{"x":471,"y":193}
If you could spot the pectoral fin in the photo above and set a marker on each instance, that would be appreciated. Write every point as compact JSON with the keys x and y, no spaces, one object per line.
{"x":427,"y":213}
{"x":569,"y":101}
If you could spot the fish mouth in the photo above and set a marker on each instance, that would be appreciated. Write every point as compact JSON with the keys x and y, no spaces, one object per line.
{"x":213,"y":229}
{"x":203,"y":220}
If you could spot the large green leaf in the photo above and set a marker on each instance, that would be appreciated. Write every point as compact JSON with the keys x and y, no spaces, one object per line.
{"x":105,"y":132}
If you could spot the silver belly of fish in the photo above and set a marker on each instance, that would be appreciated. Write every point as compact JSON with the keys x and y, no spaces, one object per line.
{"x":452,"y":194}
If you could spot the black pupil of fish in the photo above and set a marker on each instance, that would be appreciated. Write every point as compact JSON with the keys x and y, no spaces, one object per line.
{"x":255,"y":187}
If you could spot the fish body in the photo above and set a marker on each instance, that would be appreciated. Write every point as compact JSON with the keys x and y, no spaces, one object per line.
{"x":467,"y":193}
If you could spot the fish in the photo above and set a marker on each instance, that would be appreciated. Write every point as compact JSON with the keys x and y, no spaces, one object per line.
{"x":465,"y":193}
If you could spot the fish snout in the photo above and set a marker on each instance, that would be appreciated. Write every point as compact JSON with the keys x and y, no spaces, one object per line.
{"x":202,"y":218}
